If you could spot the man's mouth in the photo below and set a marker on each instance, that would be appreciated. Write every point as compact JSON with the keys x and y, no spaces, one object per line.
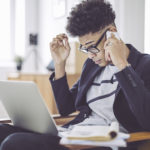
{"x":98,"y":61}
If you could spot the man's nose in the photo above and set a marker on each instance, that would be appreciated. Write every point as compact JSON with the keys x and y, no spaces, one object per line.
{"x":91,"y":55}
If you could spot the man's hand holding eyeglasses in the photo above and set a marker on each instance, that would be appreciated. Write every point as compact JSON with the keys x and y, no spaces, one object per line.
{"x":60,"y":50}
{"x":116,"y":52}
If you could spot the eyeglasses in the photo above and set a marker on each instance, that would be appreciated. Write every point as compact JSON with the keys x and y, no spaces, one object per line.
{"x":92,"y":48}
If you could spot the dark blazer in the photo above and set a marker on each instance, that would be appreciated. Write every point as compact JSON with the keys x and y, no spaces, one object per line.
{"x":132,"y":100}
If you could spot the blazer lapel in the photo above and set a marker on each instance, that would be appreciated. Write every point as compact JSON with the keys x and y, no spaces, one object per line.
{"x":86,"y":80}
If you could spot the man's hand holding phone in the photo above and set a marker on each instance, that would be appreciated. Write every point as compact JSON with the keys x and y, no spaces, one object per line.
{"x":116,"y":51}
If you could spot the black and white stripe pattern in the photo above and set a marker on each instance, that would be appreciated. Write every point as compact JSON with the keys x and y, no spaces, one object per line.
{"x":100,"y":97}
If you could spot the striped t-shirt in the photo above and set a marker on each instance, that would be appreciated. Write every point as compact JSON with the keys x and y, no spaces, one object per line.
{"x":100,"y":97}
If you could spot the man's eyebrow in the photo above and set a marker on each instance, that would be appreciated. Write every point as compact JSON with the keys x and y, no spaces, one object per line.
{"x":89,"y":42}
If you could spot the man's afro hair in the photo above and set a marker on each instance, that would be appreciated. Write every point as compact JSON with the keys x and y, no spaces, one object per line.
{"x":89,"y":16}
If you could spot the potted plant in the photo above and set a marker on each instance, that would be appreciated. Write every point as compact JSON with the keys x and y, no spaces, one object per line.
{"x":19,"y":62}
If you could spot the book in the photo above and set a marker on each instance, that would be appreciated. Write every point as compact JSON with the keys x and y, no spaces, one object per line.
{"x":95,"y":135}
{"x":119,"y":141}
{"x":93,"y":132}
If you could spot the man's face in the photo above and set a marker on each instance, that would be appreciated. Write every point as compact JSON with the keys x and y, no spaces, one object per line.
{"x":89,"y":40}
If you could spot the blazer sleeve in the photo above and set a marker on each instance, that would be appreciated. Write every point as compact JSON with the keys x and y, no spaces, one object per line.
{"x":137,"y":92}
{"x":64,"y":97}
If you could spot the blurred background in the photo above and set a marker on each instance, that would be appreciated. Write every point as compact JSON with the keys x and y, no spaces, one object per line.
{"x":27,"y":27}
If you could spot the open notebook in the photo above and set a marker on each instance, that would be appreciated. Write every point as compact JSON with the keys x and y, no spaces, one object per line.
{"x":95,"y":135}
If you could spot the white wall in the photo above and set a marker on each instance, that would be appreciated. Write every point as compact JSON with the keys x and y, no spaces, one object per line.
{"x":147,"y":26}
{"x":131,"y":21}
{"x":49,"y":26}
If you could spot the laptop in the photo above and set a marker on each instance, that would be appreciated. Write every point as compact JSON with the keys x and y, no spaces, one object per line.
{"x":25,"y":107}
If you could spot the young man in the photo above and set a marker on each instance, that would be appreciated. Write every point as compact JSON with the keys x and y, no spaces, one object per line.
{"x":114,"y":84}
{"x":115,"y":81}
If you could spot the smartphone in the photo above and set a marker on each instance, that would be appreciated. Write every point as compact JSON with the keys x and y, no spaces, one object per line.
{"x":108,"y":34}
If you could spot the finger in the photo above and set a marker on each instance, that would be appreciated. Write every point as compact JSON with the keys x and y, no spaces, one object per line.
{"x":64,"y":35}
{"x":61,"y":36}
{"x":54,"y":43}
{"x":110,"y":42}
{"x":58,"y":41}
{"x":121,"y":41}
{"x":109,"y":58}
{"x":55,"y":40}
{"x":63,"y":40}
{"x":53,"y":46}
{"x":107,"y":43}
{"x":67,"y":43}
{"x":106,"y":55}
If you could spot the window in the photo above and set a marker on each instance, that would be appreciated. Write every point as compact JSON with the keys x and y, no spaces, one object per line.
{"x":12,"y":29}
{"x":12,"y":37}
{"x":5,"y":49}
{"x":19,"y":27}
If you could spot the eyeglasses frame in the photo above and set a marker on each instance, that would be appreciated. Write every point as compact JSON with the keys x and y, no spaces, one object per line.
{"x":86,"y":50}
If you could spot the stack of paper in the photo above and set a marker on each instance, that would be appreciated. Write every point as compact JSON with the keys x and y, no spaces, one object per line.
{"x":95,"y":135}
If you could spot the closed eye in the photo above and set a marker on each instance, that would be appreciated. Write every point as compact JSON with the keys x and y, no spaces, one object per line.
{"x":91,"y":46}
